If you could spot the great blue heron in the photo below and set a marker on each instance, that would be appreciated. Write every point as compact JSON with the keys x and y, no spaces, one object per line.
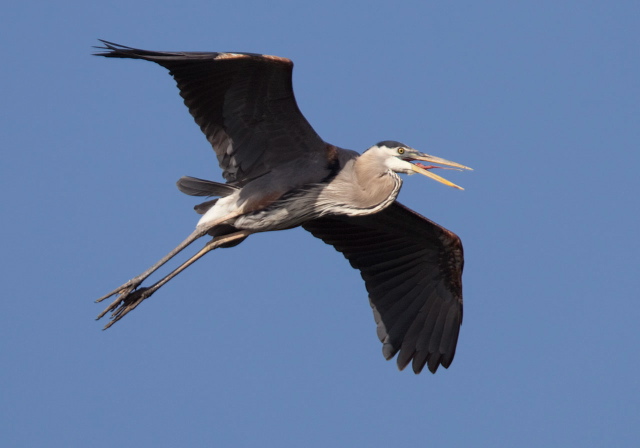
{"x":280,"y":174}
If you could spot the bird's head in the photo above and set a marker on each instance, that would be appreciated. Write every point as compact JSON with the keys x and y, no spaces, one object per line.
{"x":398,"y":157}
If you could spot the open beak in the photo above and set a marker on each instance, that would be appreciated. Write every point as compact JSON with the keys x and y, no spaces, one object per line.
{"x":419,"y":168}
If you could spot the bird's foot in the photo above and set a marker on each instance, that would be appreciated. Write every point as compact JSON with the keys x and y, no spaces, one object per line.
{"x":128,"y":298}
{"x":121,"y":291}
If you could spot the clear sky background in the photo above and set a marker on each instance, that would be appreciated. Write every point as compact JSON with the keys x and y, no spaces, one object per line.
{"x":273,"y":343}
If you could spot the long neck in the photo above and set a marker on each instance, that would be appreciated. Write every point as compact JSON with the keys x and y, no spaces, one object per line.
{"x":364,"y":186}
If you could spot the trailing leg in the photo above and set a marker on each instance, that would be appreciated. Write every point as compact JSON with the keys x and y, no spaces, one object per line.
{"x":126,"y":289}
{"x":127,"y":302}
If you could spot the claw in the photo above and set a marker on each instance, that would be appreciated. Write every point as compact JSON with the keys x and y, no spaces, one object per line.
{"x":124,"y":304}
{"x":128,"y":298}
{"x":121,"y":291}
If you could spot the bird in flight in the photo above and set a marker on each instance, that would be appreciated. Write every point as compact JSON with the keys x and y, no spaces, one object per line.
{"x":281,"y":174}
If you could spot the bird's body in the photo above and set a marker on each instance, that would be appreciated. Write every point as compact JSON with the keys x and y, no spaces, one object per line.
{"x":280,"y":174}
{"x":347,"y":183}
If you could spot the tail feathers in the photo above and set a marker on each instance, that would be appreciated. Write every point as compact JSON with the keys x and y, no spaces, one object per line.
{"x":200,"y":187}
{"x":201,"y":209}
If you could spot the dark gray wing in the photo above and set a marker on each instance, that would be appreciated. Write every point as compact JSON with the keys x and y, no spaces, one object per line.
{"x":243,"y":103}
{"x":412,"y":269}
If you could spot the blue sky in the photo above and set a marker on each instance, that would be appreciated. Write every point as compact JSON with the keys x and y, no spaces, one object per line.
{"x":272,"y":343}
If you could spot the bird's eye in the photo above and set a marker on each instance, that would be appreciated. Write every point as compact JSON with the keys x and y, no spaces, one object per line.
{"x":400,"y":150}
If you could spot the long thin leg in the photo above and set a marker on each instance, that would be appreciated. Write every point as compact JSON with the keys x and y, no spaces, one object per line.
{"x":124,"y":290}
{"x":122,"y":307}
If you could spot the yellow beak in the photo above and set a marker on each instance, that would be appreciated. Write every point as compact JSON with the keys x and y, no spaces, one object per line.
{"x":438,"y":160}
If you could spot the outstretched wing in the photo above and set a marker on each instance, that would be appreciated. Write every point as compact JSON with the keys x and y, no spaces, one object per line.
{"x":412,"y":269}
{"x":243,"y":103}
